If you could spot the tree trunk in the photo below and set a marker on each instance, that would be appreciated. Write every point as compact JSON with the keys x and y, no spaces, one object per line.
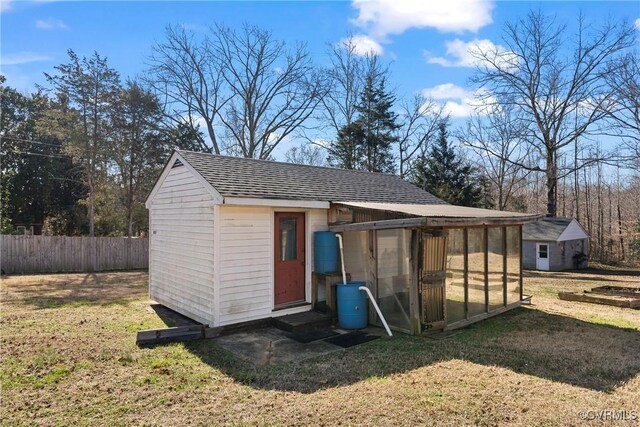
{"x":600,"y":218}
{"x":587,"y":201}
{"x":91,"y":205}
{"x":610,"y":237}
{"x":620,"y":235}
{"x":620,"y":228}
{"x":576,"y":180}
{"x":552,"y":184}
{"x":130,"y":227}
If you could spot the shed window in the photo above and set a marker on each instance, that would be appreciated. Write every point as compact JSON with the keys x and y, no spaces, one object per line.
{"x":543,"y":251}
{"x":288,"y":239}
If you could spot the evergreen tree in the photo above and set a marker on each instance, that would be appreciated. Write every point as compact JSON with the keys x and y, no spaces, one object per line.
{"x":378,"y":124}
{"x":138,"y":151}
{"x":445,"y":175}
{"x":366,"y":143}
{"x":347,"y":151}
{"x":38,"y":180}
{"x":91,"y":87}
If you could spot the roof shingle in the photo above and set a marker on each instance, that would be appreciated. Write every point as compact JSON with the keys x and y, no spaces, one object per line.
{"x":240,"y":177}
{"x":547,"y":229}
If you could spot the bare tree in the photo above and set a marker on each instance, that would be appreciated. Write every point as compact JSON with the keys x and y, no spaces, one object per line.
{"x":252,"y":86}
{"x":623,"y":78}
{"x":186,"y":75}
{"x":420,"y":119}
{"x":561,"y":95}
{"x":345,"y":79}
{"x":275,"y":89}
{"x":497,"y":139}
{"x":306,"y":154}
{"x":346,"y":76}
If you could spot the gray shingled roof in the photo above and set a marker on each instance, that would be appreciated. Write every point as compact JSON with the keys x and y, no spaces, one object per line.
{"x":547,"y":229}
{"x":240,"y":177}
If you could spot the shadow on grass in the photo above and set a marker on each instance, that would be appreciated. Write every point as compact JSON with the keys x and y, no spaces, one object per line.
{"x":171,"y":318}
{"x":525,"y":340}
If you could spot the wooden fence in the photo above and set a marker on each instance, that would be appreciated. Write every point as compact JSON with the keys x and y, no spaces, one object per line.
{"x":54,"y":254}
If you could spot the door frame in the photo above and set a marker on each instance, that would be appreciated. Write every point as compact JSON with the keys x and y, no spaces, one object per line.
{"x":538,"y":244}
{"x":307,"y":254}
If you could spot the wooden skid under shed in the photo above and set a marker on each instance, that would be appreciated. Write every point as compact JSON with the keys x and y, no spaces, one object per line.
{"x":609,"y":300}
{"x":166,"y":335}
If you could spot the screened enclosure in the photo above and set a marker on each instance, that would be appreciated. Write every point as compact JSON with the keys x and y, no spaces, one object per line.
{"x":483,"y":272}
{"x":437,"y":278}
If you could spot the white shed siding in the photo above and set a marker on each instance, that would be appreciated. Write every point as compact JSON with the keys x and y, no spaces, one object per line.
{"x":246,"y":260}
{"x":181,"y":246}
{"x":574,"y":231}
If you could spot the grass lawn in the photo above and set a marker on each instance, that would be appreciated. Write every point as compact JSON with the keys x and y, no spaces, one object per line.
{"x":69,"y":357}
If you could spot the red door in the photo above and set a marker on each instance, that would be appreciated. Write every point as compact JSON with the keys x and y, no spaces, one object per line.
{"x":289,"y":257}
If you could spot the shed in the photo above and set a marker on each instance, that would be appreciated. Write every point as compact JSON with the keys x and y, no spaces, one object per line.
{"x":555,"y":244}
{"x":231,"y":241}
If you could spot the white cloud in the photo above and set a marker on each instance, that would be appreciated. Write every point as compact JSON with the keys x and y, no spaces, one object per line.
{"x":459,"y":102}
{"x":324,"y":143}
{"x":384,"y":17}
{"x":50,"y":24}
{"x":5,"y":5}
{"x":464,"y":54}
{"x":190,"y":26}
{"x":23,"y":58}
{"x":363,"y":45}
{"x":637,"y":24}
{"x":446,"y":91}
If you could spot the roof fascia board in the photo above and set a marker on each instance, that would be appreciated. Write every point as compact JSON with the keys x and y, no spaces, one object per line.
{"x":278,"y":203}
{"x":432,"y":222}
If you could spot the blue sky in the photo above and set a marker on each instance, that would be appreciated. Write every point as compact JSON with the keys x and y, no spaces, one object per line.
{"x":426,"y":42}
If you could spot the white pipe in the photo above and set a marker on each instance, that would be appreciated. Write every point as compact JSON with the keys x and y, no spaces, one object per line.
{"x":361,"y":288}
{"x":344,"y":271}
{"x":375,"y":305}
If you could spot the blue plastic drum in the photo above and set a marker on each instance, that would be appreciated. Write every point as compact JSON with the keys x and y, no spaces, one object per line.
{"x":325,"y":252}
{"x":352,"y":305}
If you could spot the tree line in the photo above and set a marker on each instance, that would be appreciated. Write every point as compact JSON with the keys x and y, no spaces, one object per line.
{"x":81,"y":153}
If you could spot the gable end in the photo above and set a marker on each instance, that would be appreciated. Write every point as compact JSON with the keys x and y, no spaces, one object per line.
{"x":176,"y":160}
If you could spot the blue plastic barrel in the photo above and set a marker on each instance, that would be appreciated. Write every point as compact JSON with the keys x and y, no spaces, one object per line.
{"x":352,"y":305}
{"x":325,"y":251}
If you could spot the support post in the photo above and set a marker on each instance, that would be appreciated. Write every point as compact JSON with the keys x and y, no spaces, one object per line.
{"x":466,"y":272}
{"x":486,"y":269}
{"x":504,"y":265}
{"x":521,"y":283}
{"x":414,"y":293}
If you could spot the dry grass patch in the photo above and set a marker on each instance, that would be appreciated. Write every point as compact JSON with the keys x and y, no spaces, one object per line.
{"x":69,"y":358}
